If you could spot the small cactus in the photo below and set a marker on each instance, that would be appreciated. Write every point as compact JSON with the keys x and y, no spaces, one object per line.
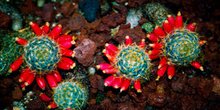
{"x":129,"y":64}
{"x":156,"y":12}
{"x":70,"y":95}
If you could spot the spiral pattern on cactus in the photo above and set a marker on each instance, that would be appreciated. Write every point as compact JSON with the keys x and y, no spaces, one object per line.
{"x":182,"y":47}
{"x":132,"y":61}
{"x":70,"y":95}
{"x":42,"y":54}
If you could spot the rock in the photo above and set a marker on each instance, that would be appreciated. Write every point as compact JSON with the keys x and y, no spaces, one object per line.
{"x":103,"y":28}
{"x":121,"y":9}
{"x":114,"y":19}
{"x":216,"y":87}
{"x":178,"y":84}
{"x":48,"y":13}
{"x":106,"y":104}
{"x":85,"y":51}
{"x":135,"y":3}
{"x":156,"y":99}
{"x":77,"y":22}
{"x":27,"y":7}
{"x":100,"y":39}
{"x":4,"y":19}
{"x":17,"y":94}
{"x":68,"y":8}
{"x":205,"y":87}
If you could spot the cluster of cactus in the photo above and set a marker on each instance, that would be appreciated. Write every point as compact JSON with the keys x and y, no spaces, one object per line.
{"x":133,"y":16}
{"x":10,"y":50}
{"x":129,"y":63}
{"x":43,"y":54}
{"x":177,"y":43}
{"x":156,"y":12}
{"x":68,"y":95}
{"x":15,"y":15}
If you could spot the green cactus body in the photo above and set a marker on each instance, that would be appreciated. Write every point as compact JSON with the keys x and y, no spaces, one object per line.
{"x":148,"y":27}
{"x":156,"y":12}
{"x":181,"y":46}
{"x":41,"y":54}
{"x":70,"y":95}
{"x":132,"y":62}
{"x":10,"y":49}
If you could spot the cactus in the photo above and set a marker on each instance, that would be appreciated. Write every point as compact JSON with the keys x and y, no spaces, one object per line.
{"x":181,"y":47}
{"x":129,"y":64}
{"x":177,"y":44}
{"x":43,"y":54}
{"x":156,"y":12}
{"x":132,"y":61}
{"x":70,"y":95}
{"x":10,"y":50}
{"x":148,"y":27}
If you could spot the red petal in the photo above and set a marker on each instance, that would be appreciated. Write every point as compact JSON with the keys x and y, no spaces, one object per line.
{"x":36,"y":29}
{"x":128,"y":40}
{"x":142,"y":43}
{"x":167,"y":26}
{"x":30,"y":79}
{"x":152,"y":37}
{"x":24,"y":74}
{"x":14,"y":66}
{"x":108,"y":81}
{"x":41,"y":82}
{"x":170,"y":71}
{"x":67,"y":52}
{"x":57,"y":76}
{"x":103,"y":66}
{"x":111,"y":47}
{"x":117,"y":82}
{"x":52,"y":105}
{"x":137,"y":86}
{"x":191,"y":27}
{"x":46,"y":28}
{"x":197,"y":65}
{"x":158,"y":31}
{"x":21,"y":41}
{"x":55,"y":32}
{"x":51,"y":80}
{"x":125,"y":85}
{"x":44,"y":97}
{"x":109,"y":70}
{"x":179,"y":20}
{"x":171,"y":20}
